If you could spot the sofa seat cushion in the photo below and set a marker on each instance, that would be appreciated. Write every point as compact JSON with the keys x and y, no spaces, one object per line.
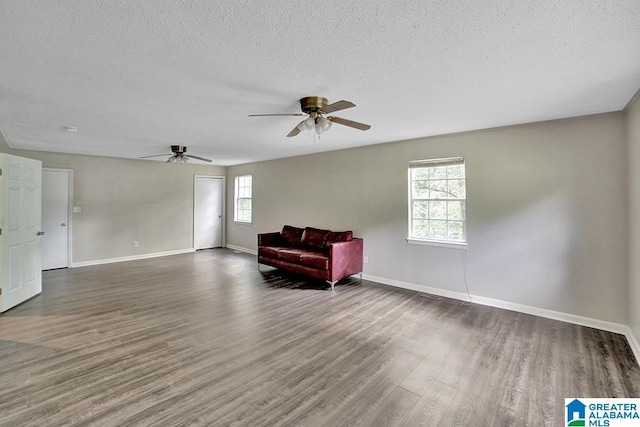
{"x":291,"y":254}
{"x":268,"y":251}
{"x":315,"y":260}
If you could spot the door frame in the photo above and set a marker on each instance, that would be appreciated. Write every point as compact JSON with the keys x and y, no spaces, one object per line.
{"x":223,"y":220}
{"x":69,"y":211}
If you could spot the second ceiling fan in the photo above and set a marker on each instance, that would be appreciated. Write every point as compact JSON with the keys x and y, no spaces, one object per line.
{"x":179,"y":155}
{"x":316,"y":108}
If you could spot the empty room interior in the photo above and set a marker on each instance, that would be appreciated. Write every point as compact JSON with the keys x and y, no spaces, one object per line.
{"x":343,"y":213}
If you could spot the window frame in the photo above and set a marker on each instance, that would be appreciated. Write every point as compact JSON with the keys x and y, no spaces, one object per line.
{"x":430,"y":163}
{"x":240,"y":185}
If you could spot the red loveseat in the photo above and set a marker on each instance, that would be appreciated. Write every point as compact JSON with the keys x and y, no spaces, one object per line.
{"x":320,"y":254}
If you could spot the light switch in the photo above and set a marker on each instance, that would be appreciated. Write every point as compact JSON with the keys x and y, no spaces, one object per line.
{"x":77,"y":209}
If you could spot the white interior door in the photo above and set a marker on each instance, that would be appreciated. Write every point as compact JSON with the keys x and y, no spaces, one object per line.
{"x":56,"y":185}
{"x":20,"y":271}
{"x":207,"y":212}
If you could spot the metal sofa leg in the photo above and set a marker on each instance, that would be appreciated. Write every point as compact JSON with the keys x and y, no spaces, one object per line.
{"x":332,"y":284}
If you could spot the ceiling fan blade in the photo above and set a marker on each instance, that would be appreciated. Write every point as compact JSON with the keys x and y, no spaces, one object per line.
{"x":337,"y":106}
{"x":350,"y":123}
{"x":157,"y":155}
{"x":295,"y":130}
{"x":269,"y":115}
{"x":197,"y":157}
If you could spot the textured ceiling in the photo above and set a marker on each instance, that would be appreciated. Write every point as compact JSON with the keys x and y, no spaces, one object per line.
{"x":137,"y":76}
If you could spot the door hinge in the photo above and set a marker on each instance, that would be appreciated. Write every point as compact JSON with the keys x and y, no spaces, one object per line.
{"x":0,"y":171}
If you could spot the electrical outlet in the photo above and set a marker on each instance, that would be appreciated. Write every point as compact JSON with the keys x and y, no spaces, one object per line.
{"x":135,"y":243}
{"x":366,"y":259}
{"x":77,"y":209}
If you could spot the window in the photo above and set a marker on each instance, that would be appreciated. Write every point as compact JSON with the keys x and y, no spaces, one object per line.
{"x":243,"y":199}
{"x":437,"y":199}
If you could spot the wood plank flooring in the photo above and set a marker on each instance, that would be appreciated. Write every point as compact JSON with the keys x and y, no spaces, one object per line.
{"x":207,"y":339}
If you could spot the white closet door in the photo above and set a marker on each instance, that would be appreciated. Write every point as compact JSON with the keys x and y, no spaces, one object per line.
{"x":207,"y":216}
{"x":55,"y":218}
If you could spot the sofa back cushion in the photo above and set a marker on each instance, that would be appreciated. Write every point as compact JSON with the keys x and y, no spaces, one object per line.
{"x":314,"y":238}
{"x":291,"y":235}
{"x":339,"y":236}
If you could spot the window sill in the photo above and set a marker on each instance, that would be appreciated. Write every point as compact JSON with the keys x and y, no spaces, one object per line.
{"x":452,"y":245}
{"x":235,"y":221}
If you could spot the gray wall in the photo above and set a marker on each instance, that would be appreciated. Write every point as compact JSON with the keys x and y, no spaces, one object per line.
{"x":633,"y":135}
{"x":546,"y":208}
{"x":123,"y":200}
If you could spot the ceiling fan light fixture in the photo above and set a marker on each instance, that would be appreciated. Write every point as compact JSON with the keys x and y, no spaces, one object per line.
{"x":309,"y":123}
{"x":324,"y":124}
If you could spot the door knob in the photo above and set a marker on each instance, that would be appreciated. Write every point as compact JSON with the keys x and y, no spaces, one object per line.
{"x":40,"y":233}
{"x":64,"y":224}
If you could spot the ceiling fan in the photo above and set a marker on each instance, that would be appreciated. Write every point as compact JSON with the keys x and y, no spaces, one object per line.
{"x":315,"y":108}
{"x":179,"y":155}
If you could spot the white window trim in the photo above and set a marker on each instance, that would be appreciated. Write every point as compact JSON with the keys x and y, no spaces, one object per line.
{"x":438,"y":243}
{"x":432,"y":242}
{"x":236,"y":198}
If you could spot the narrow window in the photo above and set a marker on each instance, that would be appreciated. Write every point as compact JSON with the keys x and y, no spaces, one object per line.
{"x":243,"y":199}
{"x":437,"y":201}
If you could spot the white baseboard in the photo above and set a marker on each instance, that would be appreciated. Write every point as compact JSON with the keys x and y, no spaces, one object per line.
{"x":130,"y":258}
{"x":241,"y":249}
{"x":617,"y":328}
{"x":555,"y":315}
{"x":416,"y":287}
{"x":633,"y":343}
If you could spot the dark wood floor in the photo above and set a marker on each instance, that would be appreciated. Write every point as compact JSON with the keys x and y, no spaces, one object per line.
{"x":206,"y":339}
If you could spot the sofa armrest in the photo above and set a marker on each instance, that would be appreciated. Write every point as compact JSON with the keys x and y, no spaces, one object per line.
{"x":270,"y":239}
{"x":345,"y":258}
